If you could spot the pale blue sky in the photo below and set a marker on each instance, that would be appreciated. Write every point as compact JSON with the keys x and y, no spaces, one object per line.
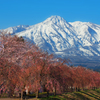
{"x":30,"y":12}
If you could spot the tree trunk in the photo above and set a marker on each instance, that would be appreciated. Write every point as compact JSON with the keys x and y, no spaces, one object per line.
{"x":71,"y":89}
{"x":54,"y":90}
{"x":76,"y":89}
{"x":82,"y":89}
{"x":47,"y":93}
{"x":44,"y":89}
{"x":11,"y":91}
{"x":37,"y":94}
{"x":21,"y":95}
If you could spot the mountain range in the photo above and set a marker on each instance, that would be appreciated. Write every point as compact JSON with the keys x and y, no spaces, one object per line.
{"x":77,"y":41}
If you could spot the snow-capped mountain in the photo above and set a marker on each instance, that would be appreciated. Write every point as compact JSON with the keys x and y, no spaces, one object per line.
{"x":66,"y":39}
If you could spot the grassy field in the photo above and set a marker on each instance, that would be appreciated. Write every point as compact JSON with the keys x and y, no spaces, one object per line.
{"x":82,"y":95}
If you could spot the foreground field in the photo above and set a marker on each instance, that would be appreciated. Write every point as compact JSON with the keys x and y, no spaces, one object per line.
{"x":82,"y":95}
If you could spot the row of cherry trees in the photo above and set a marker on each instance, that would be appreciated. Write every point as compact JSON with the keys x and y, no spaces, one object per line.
{"x":23,"y":65}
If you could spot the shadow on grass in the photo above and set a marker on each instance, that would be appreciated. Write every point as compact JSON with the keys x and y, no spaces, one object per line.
{"x":81,"y":96}
{"x":98,"y":90}
{"x":90,"y":94}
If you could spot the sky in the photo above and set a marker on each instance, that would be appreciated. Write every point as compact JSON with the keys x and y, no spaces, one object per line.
{"x":31,"y":12}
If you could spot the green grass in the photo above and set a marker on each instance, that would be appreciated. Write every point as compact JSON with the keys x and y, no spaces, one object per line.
{"x":97,"y":90}
{"x":43,"y":93}
{"x":82,"y":95}
{"x":52,"y":98}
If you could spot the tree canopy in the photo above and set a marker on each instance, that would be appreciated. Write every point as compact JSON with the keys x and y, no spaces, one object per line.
{"x":24,"y":65}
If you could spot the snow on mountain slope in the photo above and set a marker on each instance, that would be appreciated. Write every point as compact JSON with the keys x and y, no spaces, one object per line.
{"x":17,"y":29}
{"x":57,"y":36}
{"x":54,"y":32}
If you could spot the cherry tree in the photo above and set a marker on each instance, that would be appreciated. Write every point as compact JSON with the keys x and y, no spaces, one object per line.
{"x":13,"y":48}
{"x":9,"y":75}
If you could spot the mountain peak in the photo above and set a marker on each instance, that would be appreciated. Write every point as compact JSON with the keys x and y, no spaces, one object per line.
{"x":55,"y":19}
